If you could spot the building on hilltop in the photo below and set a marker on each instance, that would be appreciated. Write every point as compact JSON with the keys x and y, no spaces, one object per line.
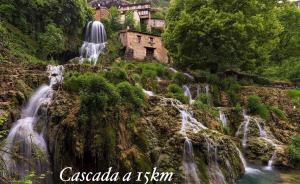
{"x":143,"y":46}
{"x":141,"y":12}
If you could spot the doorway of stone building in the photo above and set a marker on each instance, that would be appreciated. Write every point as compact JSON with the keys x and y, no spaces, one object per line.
{"x":150,"y":53}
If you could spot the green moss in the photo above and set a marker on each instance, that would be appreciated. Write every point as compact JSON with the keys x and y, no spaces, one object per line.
{"x":295,"y":95}
{"x":294,"y":149}
{"x":174,"y":91}
{"x":279,"y":113}
{"x":255,"y":106}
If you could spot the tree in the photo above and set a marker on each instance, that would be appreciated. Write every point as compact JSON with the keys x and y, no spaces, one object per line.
{"x":289,"y":45}
{"x":52,"y":40}
{"x":221,"y":34}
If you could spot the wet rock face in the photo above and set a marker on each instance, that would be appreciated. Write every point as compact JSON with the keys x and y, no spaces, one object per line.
{"x":155,"y":140}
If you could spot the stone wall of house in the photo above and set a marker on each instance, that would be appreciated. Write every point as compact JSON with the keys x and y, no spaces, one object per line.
{"x":138,"y":43}
{"x":101,"y":13}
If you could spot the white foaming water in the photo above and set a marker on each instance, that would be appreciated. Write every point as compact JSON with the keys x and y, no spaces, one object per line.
{"x":94,"y":43}
{"x":189,"y":165}
{"x":23,"y":138}
{"x":248,"y":170}
{"x":188,"y":124}
{"x":223,"y":118}
{"x":245,"y":127}
{"x":215,"y":173}
{"x":173,"y":70}
{"x":189,"y":76}
{"x":148,"y":93}
{"x":207,"y":91}
{"x":188,"y":94}
{"x":268,"y":139}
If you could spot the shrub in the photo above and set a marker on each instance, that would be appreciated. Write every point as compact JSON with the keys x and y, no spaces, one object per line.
{"x":295,"y":95}
{"x":95,"y":91}
{"x":294,"y":149}
{"x":116,"y":75}
{"x":232,"y":87}
{"x":148,"y":79}
{"x":203,"y":98}
{"x":131,"y":95}
{"x":175,"y":91}
{"x":180,"y":79}
{"x":52,"y":40}
{"x":255,"y":106}
{"x":279,"y":113}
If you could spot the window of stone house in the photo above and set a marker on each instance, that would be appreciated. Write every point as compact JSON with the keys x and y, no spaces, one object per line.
{"x":139,"y":38}
{"x":151,"y":39}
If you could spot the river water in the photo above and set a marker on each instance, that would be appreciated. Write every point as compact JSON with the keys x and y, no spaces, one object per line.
{"x":275,"y":176}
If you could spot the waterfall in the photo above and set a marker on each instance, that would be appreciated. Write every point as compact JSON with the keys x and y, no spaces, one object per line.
{"x":223,"y":118}
{"x":173,"y":70}
{"x":248,"y":170}
{"x":188,"y":94}
{"x":94,"y":42}
{"x":189,"y":76}
{"x":245,"y":127}
{"x":198,"y":90}
{"x":148,"y":93}
{"x":268,"y":139}
{"x":216,"y":175}
{"x":188,"y":123}
{"x":207,"y":94}
{"x":189,"y":165}
{"x":25,"y":148}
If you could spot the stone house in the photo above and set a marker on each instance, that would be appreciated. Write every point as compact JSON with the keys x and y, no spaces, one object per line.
{"x":143,"y":46}
{"x":141,"y":12}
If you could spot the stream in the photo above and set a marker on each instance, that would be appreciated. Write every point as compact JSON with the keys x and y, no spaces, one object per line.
{"x":274,"y":176}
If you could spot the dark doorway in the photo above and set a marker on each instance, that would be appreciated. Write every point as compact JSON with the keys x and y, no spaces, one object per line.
{"x":150,"y":53}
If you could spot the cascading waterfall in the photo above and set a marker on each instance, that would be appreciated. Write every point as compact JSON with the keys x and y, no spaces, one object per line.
{"x":245,"y":128}
{"x":94,"y":42}
{"x":189,"y":76}
{"x":189,"y":165}
{"x":25,"y":144}
{"x":173,"y":70}
{"x":263,"y":134}
{"x":148,"y":93}
{"x":188,"y":94}
{"x":223,"y":117}
{"x":248,"y":170}
{"x":216,"y":175}
{"x":207,"y":94}
{"x":189,"y":124}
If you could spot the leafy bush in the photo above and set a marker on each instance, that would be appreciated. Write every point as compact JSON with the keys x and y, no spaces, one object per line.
{"x":278,"y":112}
{"x":204,"y":98}
{"x":295,"y":95}
{"x":131,"y":95}
{"x":175,"y":91}
{"x":232,"y":87}
{"x":255,"y":106}
{"x":294,"y":149}
{"x":180,"y":79}
{"x":96,"y":92}
{"x":52,"y":40}
{"x":116,"y":75}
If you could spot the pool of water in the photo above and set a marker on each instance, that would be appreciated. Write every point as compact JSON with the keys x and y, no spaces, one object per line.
{"x":274,"y":176}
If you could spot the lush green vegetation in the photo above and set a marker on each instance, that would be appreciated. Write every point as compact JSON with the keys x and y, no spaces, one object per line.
{"x":52,"y":26}
{"x":294,"y":149}
{"x":255,"y":106}
{"x":295,"y":95}
{"x":222,"y":34}
{"x":175,"y":91}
